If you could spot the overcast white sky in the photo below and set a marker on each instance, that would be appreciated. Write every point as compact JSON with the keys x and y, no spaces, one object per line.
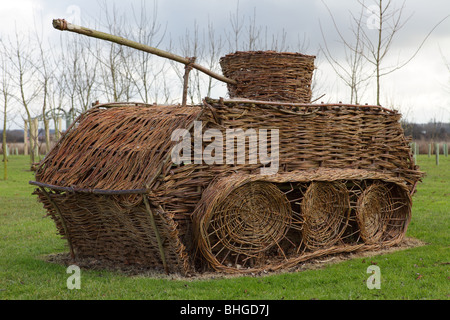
{"x":421,"y":90}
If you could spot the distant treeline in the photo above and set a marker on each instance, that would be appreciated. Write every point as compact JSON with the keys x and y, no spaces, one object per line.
{"x":16,"y":136}
{"x":432,"y":131}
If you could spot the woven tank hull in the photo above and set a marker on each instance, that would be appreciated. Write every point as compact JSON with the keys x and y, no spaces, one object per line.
{"x":343,"y":183}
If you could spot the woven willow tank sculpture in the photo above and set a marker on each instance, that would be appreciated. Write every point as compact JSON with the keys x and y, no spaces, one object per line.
{"x":343,"y":181}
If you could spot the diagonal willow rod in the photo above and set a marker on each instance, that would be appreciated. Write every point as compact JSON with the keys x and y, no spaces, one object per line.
{"x":63,"y":25}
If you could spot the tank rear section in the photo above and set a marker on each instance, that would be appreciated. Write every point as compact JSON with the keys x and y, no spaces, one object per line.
{"x":344,"y":181}
{"x":344,"y":177}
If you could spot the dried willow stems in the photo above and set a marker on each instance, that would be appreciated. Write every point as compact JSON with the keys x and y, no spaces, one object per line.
{"x":325,"y":210}
{"x":269,"y":75}
{"x":383,"y":213}
{"x":115,"y":155}
{"x":238,"y":220}
{"x":344,"y":181}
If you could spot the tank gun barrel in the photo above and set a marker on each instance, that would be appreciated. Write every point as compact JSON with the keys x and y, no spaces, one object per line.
{"x":63,"y":25}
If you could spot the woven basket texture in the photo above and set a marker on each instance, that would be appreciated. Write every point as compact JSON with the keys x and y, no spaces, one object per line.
{"x":269,"y":75}
{"x":96,"y":181}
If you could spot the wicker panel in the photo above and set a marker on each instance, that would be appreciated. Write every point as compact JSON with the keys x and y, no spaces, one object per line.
{"x":104,"y":142}
{"x":100,"y":226}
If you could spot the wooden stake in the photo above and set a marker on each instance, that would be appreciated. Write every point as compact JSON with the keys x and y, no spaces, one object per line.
{"x":436,"y":150}
{"x":413,"y":147}
{"x":187,"y":69}
{"x":155,"y":229}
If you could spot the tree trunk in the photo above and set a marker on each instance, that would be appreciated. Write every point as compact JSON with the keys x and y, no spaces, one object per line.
{"x":25,"y":138}
{"x":5,"y":156}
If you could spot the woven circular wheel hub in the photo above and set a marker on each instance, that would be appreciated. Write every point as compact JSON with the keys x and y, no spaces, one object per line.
{"x":252,"y":218}
{"x":325,"y":208}
{"x":383,"y":213}
{"x":371,"y":212}
{"x":243,"y":222}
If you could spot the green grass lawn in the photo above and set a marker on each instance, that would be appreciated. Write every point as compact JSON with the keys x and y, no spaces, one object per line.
{"x":27,"y":237}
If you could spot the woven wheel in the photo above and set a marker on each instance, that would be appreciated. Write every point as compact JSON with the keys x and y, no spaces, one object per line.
{"x":325,"y":210}
{"x":383,"y":213}
{"x":250,"y":220}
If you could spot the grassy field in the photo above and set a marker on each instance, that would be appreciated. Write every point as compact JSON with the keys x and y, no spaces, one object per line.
{"x":27,"y":237}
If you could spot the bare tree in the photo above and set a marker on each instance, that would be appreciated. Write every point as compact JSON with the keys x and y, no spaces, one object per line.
{"x":388,"y":21}
{"x":214,"y":52}
{"x":116,"y":82}
{"x":21,"y":58}
{"x":56,"y":99}
{"x":5,"y":91}
{"x":236,"y":23}
{"x":67,"y":70}
{"x":352,"y":69}
{"x":146,"y":71}
{"x":374,"y":41}
{"x":88,"y":70}
{"x":44,"y":75}
{"x":113,"y":75}
{"x":193,"y":46}
{"x":206,"y":46}
{"x":257,"y":37}
{"x":253,"y":33}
